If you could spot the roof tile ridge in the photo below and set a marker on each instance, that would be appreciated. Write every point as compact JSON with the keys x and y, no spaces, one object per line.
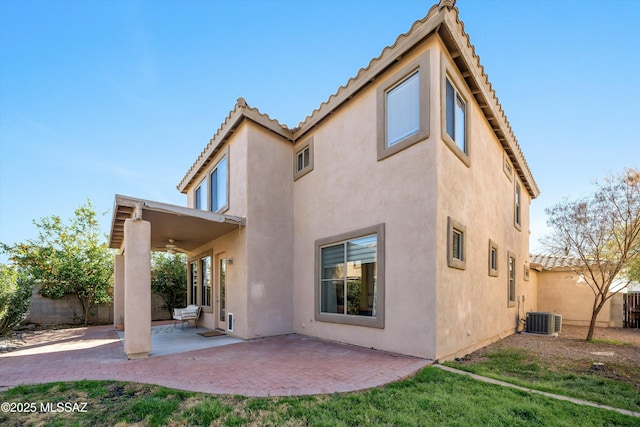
{"x":488,"y":84}
{"x":240,"y":103}
{"x":434,"y":9}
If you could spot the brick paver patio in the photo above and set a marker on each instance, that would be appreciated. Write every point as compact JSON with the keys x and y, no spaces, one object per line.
{"x":274,"y":366}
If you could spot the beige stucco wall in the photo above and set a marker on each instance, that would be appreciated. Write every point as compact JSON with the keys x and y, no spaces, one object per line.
{"x":269,"y":234}
{"x":233,"y":244}
{"x":563,"y":292}
{"x":473,"y":307}
{"x":259,"y":281}
{"x":350,"y":189}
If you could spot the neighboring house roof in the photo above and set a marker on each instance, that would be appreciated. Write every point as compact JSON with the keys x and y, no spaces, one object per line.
{"x":552,"y":262}
{"x":443,"y":20}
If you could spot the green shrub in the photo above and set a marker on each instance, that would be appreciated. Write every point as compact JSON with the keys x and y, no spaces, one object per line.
{"x":15,"y":296}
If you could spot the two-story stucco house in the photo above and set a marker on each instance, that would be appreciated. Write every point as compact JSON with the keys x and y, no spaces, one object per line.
{"x":395,"y":216}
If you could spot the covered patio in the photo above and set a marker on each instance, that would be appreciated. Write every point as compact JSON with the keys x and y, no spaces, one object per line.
{"x":167,"y":338}
{"x":139,"y":227}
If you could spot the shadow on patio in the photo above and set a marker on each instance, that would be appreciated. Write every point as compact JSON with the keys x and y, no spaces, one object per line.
{"x":169,"y":339}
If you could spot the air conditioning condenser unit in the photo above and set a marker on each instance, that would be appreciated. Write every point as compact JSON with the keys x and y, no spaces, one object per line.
{"x":544,"y":323}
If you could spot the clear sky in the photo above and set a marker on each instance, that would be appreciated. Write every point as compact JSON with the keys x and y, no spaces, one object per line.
{"x":108,"y":97}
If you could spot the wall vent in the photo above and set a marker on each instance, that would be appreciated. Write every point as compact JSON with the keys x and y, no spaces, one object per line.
{"x":230,"y":322}
{"x":543,"y":323}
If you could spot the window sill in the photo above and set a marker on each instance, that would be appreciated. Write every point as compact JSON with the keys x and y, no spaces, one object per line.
{"x":372,"y":322}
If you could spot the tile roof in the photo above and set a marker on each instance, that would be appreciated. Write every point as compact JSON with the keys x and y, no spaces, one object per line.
{"x":442,"y":20}
{"x":552,"y":262}
{"x":240,"y":112}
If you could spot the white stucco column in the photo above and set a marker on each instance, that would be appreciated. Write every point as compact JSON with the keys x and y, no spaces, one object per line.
{"x":118,"y":290}
{"x":137,"y":288}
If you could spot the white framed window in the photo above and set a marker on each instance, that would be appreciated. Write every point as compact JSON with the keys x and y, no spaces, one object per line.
{"x":456,"y":244}
{"x":218,"y":198}
{"x":303,"y":159}
{"x":200,"y":196}
{"x":205,"y":281}
{"x":403,"y":108}
{"x":350,"y":278}
{"x":507,"y":166}
{"x":511,"y":290}
{"x":517,"y":208}
{"x":493,"y":258}
{"x":193,"y":273}
{"x":456,"y":116}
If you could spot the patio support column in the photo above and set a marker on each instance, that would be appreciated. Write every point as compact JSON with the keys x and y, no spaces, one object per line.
{"x":137,"y":289}
{"x":118,"y":290}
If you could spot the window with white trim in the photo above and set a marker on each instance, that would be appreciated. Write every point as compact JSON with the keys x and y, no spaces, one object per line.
{"x":193,"y":270}
{"x":303,"y":159}
{"x":205,"y":281}
{"x":350,"y":278}
{"x":456,"y":234}
{"x":403,"y":108}
{"x":201,"y":194}
{"x":517,"y":209}
{"x":493,"y":258}
{"x":218,"y":197}
{"x":456,"y":116}
{"x":511,"y":291}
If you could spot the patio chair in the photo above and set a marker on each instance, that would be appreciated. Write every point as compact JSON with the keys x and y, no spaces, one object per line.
{"x":190,"y":312}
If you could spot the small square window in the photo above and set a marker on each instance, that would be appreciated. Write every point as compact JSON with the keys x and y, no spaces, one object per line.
{"x":303,"y":160}
{"x":493,"y":258}
{"x":456,"y":244}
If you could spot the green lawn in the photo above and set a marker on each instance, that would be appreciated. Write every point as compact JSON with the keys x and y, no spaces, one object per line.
{"x":432,"y":397}
{"x":516,"y":366}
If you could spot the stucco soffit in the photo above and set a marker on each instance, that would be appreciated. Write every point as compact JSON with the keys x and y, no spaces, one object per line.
{"x":193,"y":227}
{"x":233,"y":120}
{"x":458,"y":43}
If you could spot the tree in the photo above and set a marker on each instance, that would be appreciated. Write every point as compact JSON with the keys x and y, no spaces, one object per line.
{"x":169,"y":279}
{"x":68,"y":259}
{"x":15,"y":296}
{"x":602,"y":232}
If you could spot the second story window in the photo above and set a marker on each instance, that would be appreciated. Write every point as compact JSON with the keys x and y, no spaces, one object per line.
{"x":403,"y":110}
{"x":201,"y":194}
{"x":518,"y":207}
{"x":218,"y":199}
{"x":303,"y":158}
{"x":456,"y":116}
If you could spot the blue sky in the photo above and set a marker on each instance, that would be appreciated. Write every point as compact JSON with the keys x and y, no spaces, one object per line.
{"x":100,"y":97}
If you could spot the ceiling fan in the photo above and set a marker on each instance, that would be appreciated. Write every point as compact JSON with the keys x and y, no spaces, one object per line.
{"x":172,"y":248}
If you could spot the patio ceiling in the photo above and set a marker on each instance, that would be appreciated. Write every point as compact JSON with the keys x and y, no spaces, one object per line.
{"x":188,"y":228}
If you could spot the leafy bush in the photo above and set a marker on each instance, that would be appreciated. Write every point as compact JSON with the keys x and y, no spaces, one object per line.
{"x":15,"y":296}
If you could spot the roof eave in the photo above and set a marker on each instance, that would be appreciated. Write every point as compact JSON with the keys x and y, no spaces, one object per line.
{"x":237,"y":115}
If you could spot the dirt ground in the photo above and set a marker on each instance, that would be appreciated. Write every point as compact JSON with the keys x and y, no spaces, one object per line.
{"x":617,"y":349}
